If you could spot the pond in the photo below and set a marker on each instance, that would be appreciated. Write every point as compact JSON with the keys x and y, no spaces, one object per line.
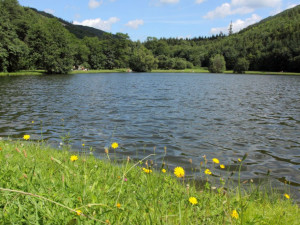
{"x":189,"y":115}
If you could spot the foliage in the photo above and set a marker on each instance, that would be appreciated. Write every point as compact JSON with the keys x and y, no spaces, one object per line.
{"x":241,"y":65}
{"x":217,"y":64}
{"x":47,"y":186}
{"x":142,"y":60}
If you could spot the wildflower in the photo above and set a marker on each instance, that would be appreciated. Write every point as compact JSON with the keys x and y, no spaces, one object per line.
{"x":193,"y":200}
{"x":222,"y":166}
{"x":163,"y":170}
{"x":239,"y":160}
{"x":83,"y":145}
{"x":215,"y":160}
{"x":78,"y":212}
{"x":208,"y":172}
{"x":234,"y":214}
{"x":118,"y":205}
{"x":106,"y":150}
{"x":32,"y":121}
{"x":26,"y":137}
{"x":287,"y":196}
{"x":125,"y":179}
{"x":179,"y":172}
{"x":107,"y":221}
{"x":114,"y":145}
{"x":74,"y":158}
{"x":0,"y":149}
{"x":147,"y":170}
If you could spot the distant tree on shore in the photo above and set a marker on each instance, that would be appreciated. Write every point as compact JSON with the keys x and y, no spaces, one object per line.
{"x":217,"y":64}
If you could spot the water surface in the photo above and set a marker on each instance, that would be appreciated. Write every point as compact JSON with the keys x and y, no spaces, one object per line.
{"x":222,"y":116}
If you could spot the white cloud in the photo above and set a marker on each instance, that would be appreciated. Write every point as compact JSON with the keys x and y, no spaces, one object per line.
{"x":240,"y":7}
{"x":94,"y":4}
{"x":291,"y":6}
{"x":50,"y":11}
{"x":256,"y":3}
{"x":199,"y":1}
{"x":169,"y":1}
{"x":135,"y":23}
{"x":99,"y":23}
{"x":226,"y":10}
{"x":237,"y":25}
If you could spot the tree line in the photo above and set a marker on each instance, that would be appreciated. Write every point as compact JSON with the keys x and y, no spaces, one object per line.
{"x":30,"y":40}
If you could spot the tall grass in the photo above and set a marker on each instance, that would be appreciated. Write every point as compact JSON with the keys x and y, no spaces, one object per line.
{"x":41,"y":185}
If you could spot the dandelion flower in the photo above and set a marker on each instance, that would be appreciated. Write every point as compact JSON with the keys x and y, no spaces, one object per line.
{"x":32,"y":121}
{"x":215,"y":160}
{"x":83,"y":145}
{"x":179,"y":172}
{"x":118,"y":205}
{"x":222,"y":166}
{"x":74,"y":158}
{"x":287,"y":196}
{"x":26,"y":137}
{"x":163,"y":170}
{"x":78,"y":212}
{"x":208,"y":172}
{"x":193,"y":200}
{"x":114,"y":145}
{"x":239,"y":160}
{"x":234,"y":214}
{"x":147,"y":170}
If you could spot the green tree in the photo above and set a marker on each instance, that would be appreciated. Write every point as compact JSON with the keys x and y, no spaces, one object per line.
{"x":217,"y":64}
{"x":241,"y":65}
{"x":142,"y":59}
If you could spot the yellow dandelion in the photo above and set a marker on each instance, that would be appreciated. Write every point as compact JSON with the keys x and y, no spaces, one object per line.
{"x":234,"y":214}
{"x":147,"y":170}
{"x":208,"y":172}
{"x":163,"y":170}
{"x":114,"y":145}
{"x":118,"y":205}
{"x":179,"y":172}
{"x":78,"y":212}
{"x":287,"y":196}
{"x":83,"y":145}
{"x":73,"y":158}
{"x":239,"y":160}
{"x":26,"y":137}
{"x":193,"y":200}
{"x":222,"y":166}
{"x":215,"y":160}
{"x":32,"y":121}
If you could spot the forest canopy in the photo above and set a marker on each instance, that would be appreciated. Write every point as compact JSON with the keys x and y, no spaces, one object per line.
{"x":30,"y":39}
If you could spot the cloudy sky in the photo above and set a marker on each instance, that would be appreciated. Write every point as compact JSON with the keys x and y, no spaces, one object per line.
{"x":163,"y":18}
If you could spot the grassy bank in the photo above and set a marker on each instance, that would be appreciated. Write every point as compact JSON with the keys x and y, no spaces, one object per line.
{"x":124,"y":70}
{"x":41,"y":185}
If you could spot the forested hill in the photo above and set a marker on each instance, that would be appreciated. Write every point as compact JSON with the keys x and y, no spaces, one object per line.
{"x":78,"y":30}
{"x":30,"y":39}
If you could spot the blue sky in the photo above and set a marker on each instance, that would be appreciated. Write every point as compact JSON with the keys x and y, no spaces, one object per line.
{"x":162,"y":18}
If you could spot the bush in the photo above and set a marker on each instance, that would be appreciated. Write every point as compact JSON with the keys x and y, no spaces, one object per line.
{"x":217,"y":64}
{"x":241,"y":65}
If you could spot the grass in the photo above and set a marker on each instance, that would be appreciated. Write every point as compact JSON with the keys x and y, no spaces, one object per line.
{"x":41,"y":185}
{"x":123,"y":70}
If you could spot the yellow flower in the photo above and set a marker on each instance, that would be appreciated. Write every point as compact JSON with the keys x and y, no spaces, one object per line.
{"x":118,"y":205}
{"x":193,"y":200}
{"x":73,"y":158}
{"x":287,"y":196}
{"x":83,"y":145}
{"x":239,"y":160}
{"x":114,"y":145}
{"x":234,"y":214}
{"x":179,"y":172}
{"x":32,"y":121}
{"x":78,"y":212}
{"x":147,"y":170}
{"x":215,"y":160}
{"x":222,"y":166}
{"x":26,"y":137}
{"x":163,"y":170}
{"x":208,"y":172}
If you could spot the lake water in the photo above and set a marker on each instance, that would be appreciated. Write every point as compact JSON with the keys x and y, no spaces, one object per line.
{"x":222,"y":116}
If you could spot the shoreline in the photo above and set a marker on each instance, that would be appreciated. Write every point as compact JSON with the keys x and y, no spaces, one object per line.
{"x":197,"y":70}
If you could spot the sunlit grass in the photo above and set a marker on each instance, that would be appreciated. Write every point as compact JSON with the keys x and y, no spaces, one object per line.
{"x":42,"y":185}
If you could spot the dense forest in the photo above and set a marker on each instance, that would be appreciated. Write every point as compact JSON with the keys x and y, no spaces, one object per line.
{"x":30,"y":39}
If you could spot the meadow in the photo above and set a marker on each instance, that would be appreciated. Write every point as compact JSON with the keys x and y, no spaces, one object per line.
{"x":42,"y":185}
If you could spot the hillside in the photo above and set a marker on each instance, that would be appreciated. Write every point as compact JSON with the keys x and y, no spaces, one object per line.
{"x":78,"y":30}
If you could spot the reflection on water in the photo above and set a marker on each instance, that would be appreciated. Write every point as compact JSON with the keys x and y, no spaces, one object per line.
{"x":222,"y":116}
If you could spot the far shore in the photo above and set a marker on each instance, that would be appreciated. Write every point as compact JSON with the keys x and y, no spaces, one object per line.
{"x":124,"y":70}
